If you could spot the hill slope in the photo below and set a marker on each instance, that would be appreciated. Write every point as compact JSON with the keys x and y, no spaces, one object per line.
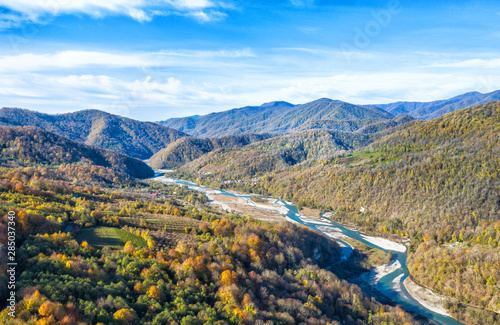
{"x":134,"y":138}
{"x":28,"y":146}
{"x":282,"y":118}
{"x":282,"y":152}
{"x":430,"y":110}
{"x":188,"y":149}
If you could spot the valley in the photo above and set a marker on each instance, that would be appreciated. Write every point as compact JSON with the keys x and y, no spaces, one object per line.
{"x":401,"y":213}
{"x":224,"y":162}
{"x":427,"y":303}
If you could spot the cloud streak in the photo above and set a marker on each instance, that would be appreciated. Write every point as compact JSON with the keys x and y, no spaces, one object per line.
{"x":471,"y":63}
{"x":77,"y":59}
{"x":139,"y":10}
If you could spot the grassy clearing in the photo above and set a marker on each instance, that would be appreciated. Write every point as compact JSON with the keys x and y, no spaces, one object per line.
{"x":373,"y":256}
{"x":360,"y":158}
{"x":168,"y":223}
{"x":115,"y":238}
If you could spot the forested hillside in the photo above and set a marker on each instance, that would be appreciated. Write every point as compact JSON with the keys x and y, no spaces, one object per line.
{"x":133,"y":138}
{"x":31,"y":146}
{"x":180,"y":262}
{"x":188,"y":149}
{"x":436,"y":182}
{"x":282,"y":153}
{"x":282,"y":118}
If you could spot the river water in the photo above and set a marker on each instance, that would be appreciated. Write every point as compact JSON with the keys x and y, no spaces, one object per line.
{"x":391,"y":285}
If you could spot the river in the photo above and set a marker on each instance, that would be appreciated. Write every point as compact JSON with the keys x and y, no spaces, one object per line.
{"x":390,"y":285}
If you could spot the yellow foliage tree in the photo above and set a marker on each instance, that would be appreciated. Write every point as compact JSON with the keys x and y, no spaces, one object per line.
{"x":124,"y":316}
{"x":46,"y":309}
{"x":129,"y":247}
{"x":228,"y":277}
{"x":155,"y":293}
{"x":151,"y":243}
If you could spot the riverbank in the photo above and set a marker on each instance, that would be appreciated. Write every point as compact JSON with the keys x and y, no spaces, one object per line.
{"x":426,"y":297}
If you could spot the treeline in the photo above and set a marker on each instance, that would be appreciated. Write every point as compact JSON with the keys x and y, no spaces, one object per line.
{"x":468,"y":273}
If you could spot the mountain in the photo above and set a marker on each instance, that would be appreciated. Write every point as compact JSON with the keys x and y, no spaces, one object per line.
{"x":133,"y":138}
{"x":28,"y":146}
{"x":232,"y":122}
{"x":281,"y":118}
{"x":430,"y":110}
{"x":277,"y":154}
{"x":188,"y":149}
{"x":285,"y":150}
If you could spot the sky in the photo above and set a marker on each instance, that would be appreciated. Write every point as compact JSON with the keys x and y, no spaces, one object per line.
{"x":153,"y":60}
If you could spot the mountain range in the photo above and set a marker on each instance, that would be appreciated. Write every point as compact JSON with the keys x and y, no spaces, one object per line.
{"x":93,"y":127}
{"x":283,"y":117}
{"x":433,"y":182}
{"x":430,"y":110}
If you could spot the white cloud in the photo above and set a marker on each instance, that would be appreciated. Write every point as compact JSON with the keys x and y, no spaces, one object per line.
{"x":472,"y":63}
{"x":140,"y":10}
{"x":237,"y":53}
{"x":158,"y":85}
{"x":149,"y":98}
{"x":66,"y":59}
{"x":75,"y":59}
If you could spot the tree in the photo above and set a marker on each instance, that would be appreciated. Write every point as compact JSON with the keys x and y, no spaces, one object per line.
{"x":151,"y":243}
{"x":228,"y":277}
{"x":155,"y":293}
{"x":129,"y":247}
{"x":124,"y":316}
{"x":46,"y":309}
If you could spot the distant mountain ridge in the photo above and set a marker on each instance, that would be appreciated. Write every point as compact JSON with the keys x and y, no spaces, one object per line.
{"x":430,"y":110}
{"x":324,"y":113}
{"x":93,"y":127}
{"x":281,"y":118}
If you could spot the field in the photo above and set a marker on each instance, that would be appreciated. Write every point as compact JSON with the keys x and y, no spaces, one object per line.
{"x":360,"y":158}
{"x":167,"y":223}
{"x":115,"y":238}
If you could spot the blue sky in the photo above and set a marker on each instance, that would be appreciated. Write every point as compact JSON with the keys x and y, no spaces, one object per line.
{"x":153,"y":60}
